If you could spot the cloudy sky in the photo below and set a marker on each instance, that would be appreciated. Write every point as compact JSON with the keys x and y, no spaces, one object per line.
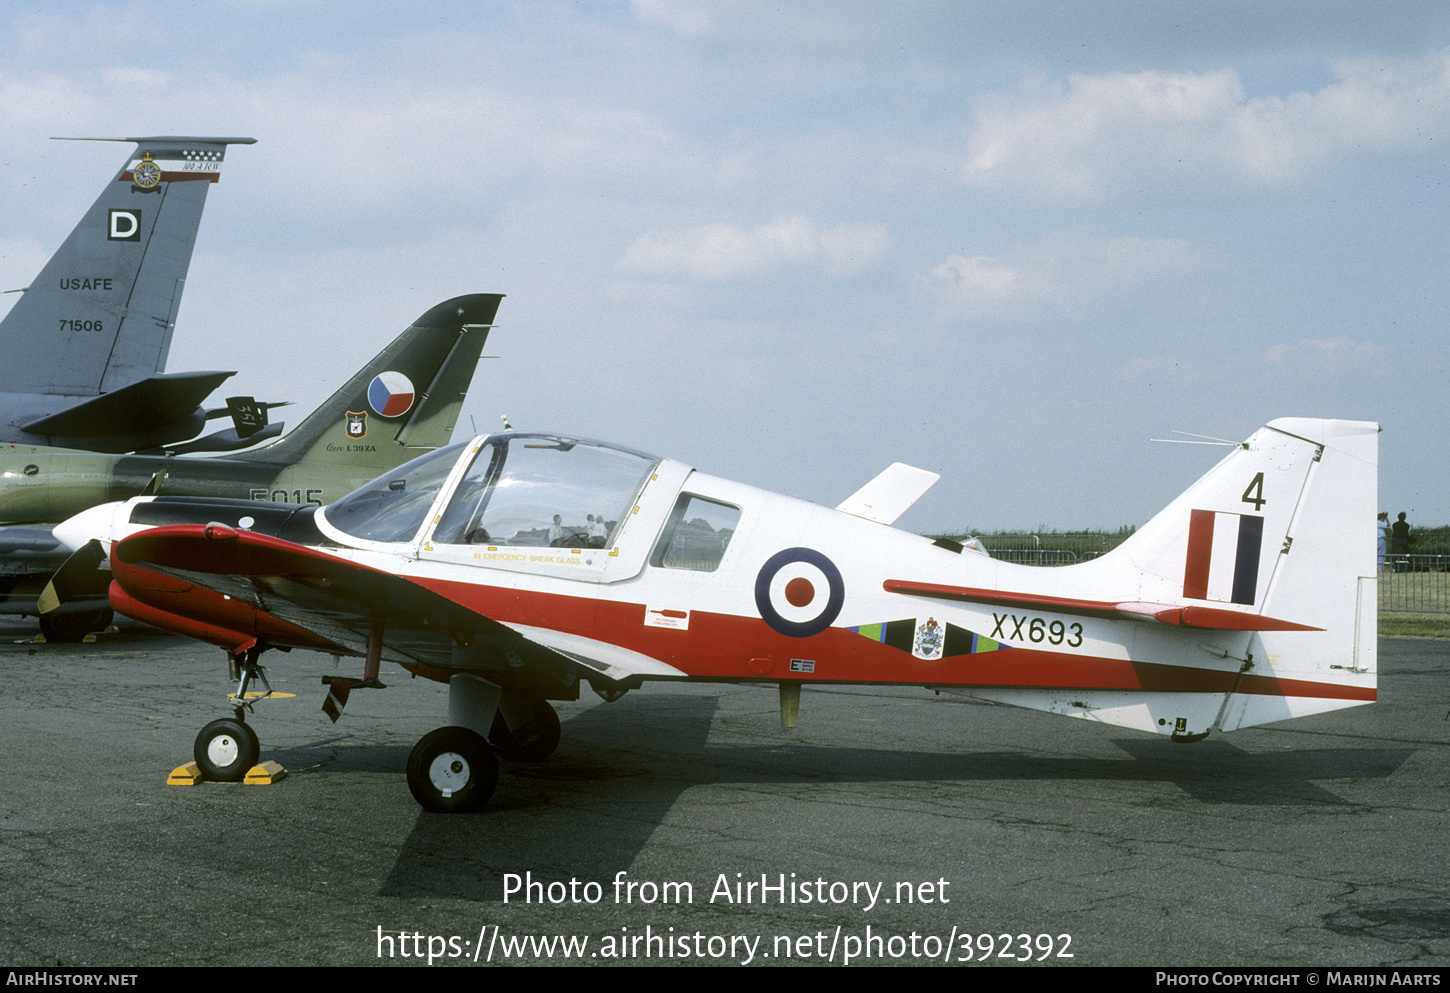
{"x":791,"y":243}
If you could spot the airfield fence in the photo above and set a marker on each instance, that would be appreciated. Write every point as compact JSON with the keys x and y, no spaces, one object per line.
{"x":1048,"y":548}
{"x":1415,"y":583}
{"x":1418,"y":583}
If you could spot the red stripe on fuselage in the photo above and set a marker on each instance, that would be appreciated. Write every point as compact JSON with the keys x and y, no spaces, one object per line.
{"x":723,"y":646}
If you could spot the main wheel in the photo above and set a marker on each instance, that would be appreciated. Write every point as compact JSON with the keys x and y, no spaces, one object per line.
{"x":533,"y":742}
{"x":452,"y":770}
{"x":74,"y":627}
{"x":226,"y":749}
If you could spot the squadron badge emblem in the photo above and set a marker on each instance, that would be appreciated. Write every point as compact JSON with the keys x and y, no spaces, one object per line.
{"x":929,"y":640}
{"x":147,"y":174}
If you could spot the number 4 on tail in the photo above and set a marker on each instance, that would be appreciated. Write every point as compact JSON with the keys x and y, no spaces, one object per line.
{"x":1255,"y":493}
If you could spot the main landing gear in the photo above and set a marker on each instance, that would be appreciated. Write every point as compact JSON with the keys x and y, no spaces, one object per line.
{"x":534,"y":741}
{"x":73,"y":627}
{"x":454,"y":769}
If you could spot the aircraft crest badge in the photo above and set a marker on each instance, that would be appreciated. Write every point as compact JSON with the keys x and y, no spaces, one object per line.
{"x":146,"y":175}
{"x":930,"y":639}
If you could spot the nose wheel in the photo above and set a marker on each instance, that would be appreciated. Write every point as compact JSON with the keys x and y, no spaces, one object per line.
{"x":225,"y":750}
{"x":452,"y":770}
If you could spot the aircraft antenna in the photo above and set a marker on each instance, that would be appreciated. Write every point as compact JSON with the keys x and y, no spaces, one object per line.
{"x":1208,"y":440}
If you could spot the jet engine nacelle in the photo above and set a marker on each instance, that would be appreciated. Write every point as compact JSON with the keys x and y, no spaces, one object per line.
{"x":47,"y":488}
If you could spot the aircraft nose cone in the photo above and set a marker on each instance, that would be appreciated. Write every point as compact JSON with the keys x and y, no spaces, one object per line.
{"x":88,"y":524}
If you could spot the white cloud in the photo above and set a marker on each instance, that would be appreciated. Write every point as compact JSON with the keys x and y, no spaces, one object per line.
{"x":1065,"y":271}
{"x":763,"y":21}
{"x":1325,"y":356}
{"x":723,"y":251}
{"x":1100,"y":135}
{"x":1317,"y":358}
{"x":684,"y":19}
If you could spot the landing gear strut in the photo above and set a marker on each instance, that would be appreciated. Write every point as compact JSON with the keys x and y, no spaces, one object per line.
{"x":245,"y":669}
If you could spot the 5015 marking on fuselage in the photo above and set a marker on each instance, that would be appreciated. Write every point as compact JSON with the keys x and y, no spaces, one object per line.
{"x":312,"y":496}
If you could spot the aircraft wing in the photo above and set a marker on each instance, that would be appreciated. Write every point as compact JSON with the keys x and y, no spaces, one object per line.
{"x":338,"y":601}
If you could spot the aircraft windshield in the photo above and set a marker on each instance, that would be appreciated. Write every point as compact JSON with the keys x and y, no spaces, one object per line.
{"x":394,"y":506}
{"x":544,"y":490}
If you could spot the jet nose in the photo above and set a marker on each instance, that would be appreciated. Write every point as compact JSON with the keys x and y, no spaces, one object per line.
{"x":88,"y":524}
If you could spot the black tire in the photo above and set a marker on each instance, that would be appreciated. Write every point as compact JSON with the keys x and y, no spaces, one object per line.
{"x":534,"y":742}
{"x":226,"y":749}
{"x":75,"y":626}
{"x":452,"y":770}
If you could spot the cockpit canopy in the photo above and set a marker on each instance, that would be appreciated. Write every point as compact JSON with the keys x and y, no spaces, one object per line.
{"x":516,"y":489}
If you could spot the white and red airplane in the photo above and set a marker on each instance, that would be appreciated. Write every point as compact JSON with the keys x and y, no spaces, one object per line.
{"x":517,"y":566}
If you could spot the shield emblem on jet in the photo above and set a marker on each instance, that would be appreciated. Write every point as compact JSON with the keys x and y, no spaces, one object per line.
{"x":357,"y":424}
{"x":929,"y":641}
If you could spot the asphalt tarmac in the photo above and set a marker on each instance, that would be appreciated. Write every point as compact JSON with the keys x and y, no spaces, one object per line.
{"x":682,"y":824}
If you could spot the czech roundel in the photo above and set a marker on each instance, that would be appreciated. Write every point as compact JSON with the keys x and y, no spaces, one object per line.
{"x":390,"y":394}
{"x":799,"y":592}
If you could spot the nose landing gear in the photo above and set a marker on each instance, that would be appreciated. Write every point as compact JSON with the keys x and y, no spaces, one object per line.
{"x":226,"y":749}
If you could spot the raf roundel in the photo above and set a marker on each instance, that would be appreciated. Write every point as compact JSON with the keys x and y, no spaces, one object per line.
{"x":390,"y":394}
{"x":799,"y":592}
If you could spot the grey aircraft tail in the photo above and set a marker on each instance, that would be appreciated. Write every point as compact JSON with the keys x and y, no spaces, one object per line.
{"x":409,"y":395}
{"x":100,"y":315}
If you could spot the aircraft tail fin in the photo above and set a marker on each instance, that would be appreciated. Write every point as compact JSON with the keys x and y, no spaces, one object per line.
{"x":100,"y":315}
{"x":1283,"y":527}
{"x":409,"y":395}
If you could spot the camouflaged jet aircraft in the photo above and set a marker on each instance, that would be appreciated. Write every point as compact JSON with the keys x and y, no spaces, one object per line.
{"x":403,"y":403}
{"x":519,"y":566}
{"x":85,"y":344}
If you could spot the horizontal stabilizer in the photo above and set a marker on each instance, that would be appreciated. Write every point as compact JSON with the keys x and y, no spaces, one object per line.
{"x":1189,"y":616}
{"x":134,"y":409}
{"x":224,"y":441}
{"x":888,"y":496}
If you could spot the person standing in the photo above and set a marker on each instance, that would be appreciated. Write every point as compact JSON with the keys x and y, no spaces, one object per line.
{"x":1400,"y":543}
